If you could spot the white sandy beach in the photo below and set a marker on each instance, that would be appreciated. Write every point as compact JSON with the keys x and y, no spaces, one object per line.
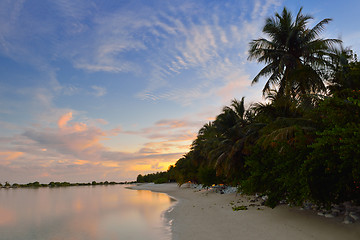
{"x":204,"y":215}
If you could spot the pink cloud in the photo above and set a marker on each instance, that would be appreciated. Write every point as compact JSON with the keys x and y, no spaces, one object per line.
{"x":64,"y":119}
{"x":64,"y":124}
{"x":236,"y":84}
{"x":171,"y":123}
{"x":101,"y":121}
{"x":77,"y":151}
{"x":72,"y":138}
{"x":10,"y":155}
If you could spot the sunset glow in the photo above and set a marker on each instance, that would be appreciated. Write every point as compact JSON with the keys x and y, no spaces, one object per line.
{"x":107,"y":90}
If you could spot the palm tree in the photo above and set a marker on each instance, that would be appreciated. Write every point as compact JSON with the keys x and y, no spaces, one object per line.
{"x":277,"y":106}
{"x":219,"y":143}
{"x":232,"y":125}
{"x":294,"y":55}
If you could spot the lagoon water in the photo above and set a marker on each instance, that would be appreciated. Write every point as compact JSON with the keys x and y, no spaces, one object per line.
{"x":84,"y":212}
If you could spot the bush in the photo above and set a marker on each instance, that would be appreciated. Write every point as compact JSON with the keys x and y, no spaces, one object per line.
{"x":207,"y":176}
{"x":333,"y":168}
{"x":160,"y":180}
{"x":276,"y":171}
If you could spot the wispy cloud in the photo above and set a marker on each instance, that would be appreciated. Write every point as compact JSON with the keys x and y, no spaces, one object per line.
{"x":99,"y":91}
{"x":209,"y":48}
{"x":159,"y":43}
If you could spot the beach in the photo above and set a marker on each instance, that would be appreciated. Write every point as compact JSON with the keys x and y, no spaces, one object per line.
{"x":207,"y":215}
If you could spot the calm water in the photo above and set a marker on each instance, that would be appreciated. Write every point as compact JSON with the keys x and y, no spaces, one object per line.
{"x":86,"y":212}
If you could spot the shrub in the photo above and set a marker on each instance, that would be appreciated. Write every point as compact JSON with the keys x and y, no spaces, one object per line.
{"x":160,"y":180}
{"x":207,"y":176}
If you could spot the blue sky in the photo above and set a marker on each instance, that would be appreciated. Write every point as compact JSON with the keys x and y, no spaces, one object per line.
{"x":105,"y":90}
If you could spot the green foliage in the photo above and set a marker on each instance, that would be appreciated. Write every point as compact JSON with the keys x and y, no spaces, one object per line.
{"x":159,"y":177}
{"x":140,"y":178}
{"x":161,"y":180}
{"x":207,"y":176}
{"x":238,"y":208}
{"x":33,"y":185}
{"x":346,"y":74}
{"x":333,"y":167}
{"x":186,"y":169}
{"x":276,"y":171}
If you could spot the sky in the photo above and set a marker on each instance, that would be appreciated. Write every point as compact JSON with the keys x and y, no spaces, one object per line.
{"x":106,"y":90}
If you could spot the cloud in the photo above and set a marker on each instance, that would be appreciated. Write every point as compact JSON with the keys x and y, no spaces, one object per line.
{"x":209,"y":48}
{"x":171,"y":130}
{"x":70,"y":90}
{"x":261,"y":8}
{"x":160,"y":43}
{"x":236,"y":83}
{"x":63,"y":120}
{"x":10,"y":155}
{"x":73,"y":138}
{"x":102,"y":121}
{"x":77,"y":150}
{"x":175,"y":123}
{"x":99,"y":91}
{"x":113,"y":37}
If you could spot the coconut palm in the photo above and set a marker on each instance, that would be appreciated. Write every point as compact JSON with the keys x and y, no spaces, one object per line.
{"x":294,"y":55}
{"x":233,"y":127}
{"x":219,"y":143}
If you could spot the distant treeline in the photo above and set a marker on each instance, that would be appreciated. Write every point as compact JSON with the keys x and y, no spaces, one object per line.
{"x":303,"y":143}
{"x":58,"y":184}
{"x":159,"y":177}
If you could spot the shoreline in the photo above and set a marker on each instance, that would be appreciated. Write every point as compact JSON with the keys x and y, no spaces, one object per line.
{"x":205,"y":215}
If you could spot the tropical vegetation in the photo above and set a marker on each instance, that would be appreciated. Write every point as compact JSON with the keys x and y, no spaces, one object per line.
{"x":303,"y":142}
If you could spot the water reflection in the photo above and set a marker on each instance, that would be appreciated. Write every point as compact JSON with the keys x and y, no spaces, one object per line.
{"x":101,"y":212}
{"x":7,"y":217}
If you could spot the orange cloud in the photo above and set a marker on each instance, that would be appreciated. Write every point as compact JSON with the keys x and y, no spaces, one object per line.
{"x":164,"y":147}
{"x":172,"y":123}
{"x":88,"y":141}
{"x":64,"y":119}
{"x":11,"y":155}
{"x":114,"y":131}
{"x":79,"y":127}
{"x":110,"y":164}
{"x":80,"y":162}
{"x":74,"y":127}
{"x":73,"y":138}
